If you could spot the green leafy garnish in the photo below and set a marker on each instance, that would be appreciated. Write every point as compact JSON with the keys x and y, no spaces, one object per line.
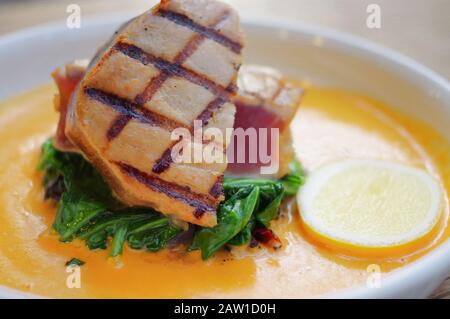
{"x":232,"y":217}
{"x":270,"y":211}
{"x":271,"y":194}
{"x":236,"y":220}
{"x":153,"y":235}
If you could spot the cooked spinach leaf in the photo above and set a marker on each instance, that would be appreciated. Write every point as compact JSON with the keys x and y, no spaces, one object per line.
{"x":118,"y":240}
{"x":88,"y":210}
{"x":153,"y":239}
{"x":245,"y":235}
{"x":270,"y":211}
{"x":232,"y":217}
{"x":234,"y":226}
{"x":271,"y":194}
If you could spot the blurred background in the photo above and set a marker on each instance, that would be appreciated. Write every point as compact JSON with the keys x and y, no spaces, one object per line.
{"x":417,"y":28}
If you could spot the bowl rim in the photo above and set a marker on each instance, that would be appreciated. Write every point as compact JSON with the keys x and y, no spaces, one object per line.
{"x":399,"y":280}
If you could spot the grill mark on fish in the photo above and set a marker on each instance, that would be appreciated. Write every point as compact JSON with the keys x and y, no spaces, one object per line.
{"x":208,"y":112}
{"x":118,"y":125}
{"x":168,"y":69}
{"x":207,"y":32}
{"x":202,"y":203}
{"x":164,"y":162}
{"x":130,"y":110}
{"x":152,"y":88}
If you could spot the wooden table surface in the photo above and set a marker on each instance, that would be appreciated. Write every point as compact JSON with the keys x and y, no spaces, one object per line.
{"x":417,"y":28}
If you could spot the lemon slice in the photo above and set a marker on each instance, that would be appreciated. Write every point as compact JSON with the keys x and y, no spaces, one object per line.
{"x":370,"y":203}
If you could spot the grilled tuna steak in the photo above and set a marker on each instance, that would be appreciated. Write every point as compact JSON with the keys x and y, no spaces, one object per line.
{"x":164,"y":69}
{"x":265,"y":100}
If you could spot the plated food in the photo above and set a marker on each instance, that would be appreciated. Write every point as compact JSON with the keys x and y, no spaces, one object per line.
{"x":357,"y":184}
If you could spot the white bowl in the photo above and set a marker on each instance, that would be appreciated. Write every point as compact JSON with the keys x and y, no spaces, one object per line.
{"x":324,"y":56}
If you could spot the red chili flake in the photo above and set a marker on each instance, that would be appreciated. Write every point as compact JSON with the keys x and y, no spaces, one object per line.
{"x":267,"y":237}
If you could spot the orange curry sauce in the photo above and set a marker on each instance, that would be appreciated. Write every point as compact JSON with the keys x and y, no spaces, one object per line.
{"x":330,"y":125}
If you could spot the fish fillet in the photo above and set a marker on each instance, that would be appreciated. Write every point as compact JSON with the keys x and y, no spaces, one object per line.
{"x":164,"y":69}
